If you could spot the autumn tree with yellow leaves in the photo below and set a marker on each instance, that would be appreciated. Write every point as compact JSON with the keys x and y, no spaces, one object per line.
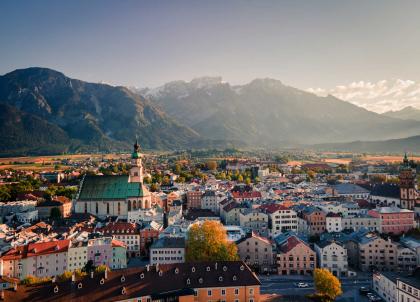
{"x":208,"y":242}
{"x":326,"y":284}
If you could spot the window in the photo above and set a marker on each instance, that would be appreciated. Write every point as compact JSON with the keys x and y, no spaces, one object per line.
{"x":236,"y":291}
{"x":209,"y":293}
{"x":223,"y":292}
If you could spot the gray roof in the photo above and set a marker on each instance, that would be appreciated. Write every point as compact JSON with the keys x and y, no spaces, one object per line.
{"x":169,"y":242}
{"x":350,"y":189}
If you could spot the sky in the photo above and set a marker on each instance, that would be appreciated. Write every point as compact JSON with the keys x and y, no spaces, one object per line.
{"x":314,"y":45}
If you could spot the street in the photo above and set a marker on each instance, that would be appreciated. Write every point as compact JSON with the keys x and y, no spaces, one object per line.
{"x":286,"y":286}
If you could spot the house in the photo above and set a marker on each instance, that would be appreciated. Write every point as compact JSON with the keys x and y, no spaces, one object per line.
{"x":60,"y":202}
{"x":167,"y":250}
{"x":209,"y":201}
{"x":230,"y":213}
{"x":394,"y":220}
{"x":101,"y":251}
{"x":149,"y":234}
{"x":333,"y":222}
{"x":332,"y":255}
{"x":316,"y":220}
{"x":41,"y":259}
{"x":126,"y":232}
{"x":258,"y":252}
{"x":361,"y":222}
{"x":254,"y":220}
{"x":281,"y":218}
{"x":376,"y":253}
{"x":115,"y":195}
{"x":294,"y":256}
{"x":217,"y":281}
{"x":194,"y":199}
{"x":393,"y":287}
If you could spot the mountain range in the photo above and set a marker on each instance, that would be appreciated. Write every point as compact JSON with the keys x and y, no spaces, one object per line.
{"x":44,"y":112}
{"x":265,"y":112}
{"x":407,"y":113}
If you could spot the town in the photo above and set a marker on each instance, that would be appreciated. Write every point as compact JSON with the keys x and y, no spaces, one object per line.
{"x":148,"y":227}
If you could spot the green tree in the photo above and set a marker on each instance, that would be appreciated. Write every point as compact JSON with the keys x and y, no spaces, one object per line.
{"x":248,"y":181}
{"x":326,"y":284}
{"x":55,"y":213}
{"x":208,"y":242}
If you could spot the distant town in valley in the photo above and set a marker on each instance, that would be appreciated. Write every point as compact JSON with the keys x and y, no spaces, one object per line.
{"x":128,"y":222}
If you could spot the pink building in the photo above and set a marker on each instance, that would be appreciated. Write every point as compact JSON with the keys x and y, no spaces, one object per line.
{"x":394,"y":220}
{"x":295,"y":257}
{"x":100,"y":251}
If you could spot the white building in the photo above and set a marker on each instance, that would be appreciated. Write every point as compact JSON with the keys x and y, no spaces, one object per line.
{"x":76,"y":255}
{"x":362,"y":221}
{"x":385,"y":286}
{"x":27,"y":216}
{"x":332,"y":255}
{"x":209,"y":201}
{"x":144,"y":216}
{"x":333,"y":223}
{"x":282,"y":219}
{"x":167,"y":250}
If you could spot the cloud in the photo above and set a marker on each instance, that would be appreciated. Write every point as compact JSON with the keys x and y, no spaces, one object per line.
{"x":380,"y":97}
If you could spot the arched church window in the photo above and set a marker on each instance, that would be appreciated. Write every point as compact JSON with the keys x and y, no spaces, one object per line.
{"x":107,"y":208}
{"x":119,"y":208}
{"x":128,"y":206}
{"x":134,"y":205}
{"x":96,"y":208}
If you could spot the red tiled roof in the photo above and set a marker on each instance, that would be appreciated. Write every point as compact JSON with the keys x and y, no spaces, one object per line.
{"x":272,"y":207}
{"x":290,"y":244}
{"x":120,"y":227}
{"x":117,"y":243}
{"x":36,"y":249}
{"x":246,"y":195}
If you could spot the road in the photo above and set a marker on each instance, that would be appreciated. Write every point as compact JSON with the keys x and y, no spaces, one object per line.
{"x":285,"y":286}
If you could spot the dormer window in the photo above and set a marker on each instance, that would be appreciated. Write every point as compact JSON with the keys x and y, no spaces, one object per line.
{"x":80,"y":285}
{"x":242,"y":268}
{"x":220,"y":279}
{"x":176,"y":271}
{"x":141,"y":276}
{"x":225,"y":268}
{"x":160,"y":273}
{"x":208,"y":268}
{"x":123,"y":291}
{"x":234,"y":278}
{"x":56,"y":289}
{"x":193,"y":269}
{"x":188,"y":281}
{"x":122,"y":279}
{"x":200,"y":280}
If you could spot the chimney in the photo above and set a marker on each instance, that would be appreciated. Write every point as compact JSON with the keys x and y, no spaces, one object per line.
{"x":106,"y":273}
{"x":148,"y":267}
{"x":73,"y":277}
{"x":15,"y":286}
{"x":91,"y":275}
{"x":157,"y":267}
{"x":2,"y":294}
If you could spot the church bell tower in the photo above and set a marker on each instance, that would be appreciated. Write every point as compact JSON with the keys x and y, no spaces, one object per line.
{"x":408,"y":188}
{"x":136,"y":171}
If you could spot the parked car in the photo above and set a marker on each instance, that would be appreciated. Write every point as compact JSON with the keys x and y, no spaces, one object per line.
{"x":302,"y":284}
{"x":364,"y":290}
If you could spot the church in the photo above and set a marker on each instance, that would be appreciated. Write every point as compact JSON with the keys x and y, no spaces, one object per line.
{"x":115,"y":195}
